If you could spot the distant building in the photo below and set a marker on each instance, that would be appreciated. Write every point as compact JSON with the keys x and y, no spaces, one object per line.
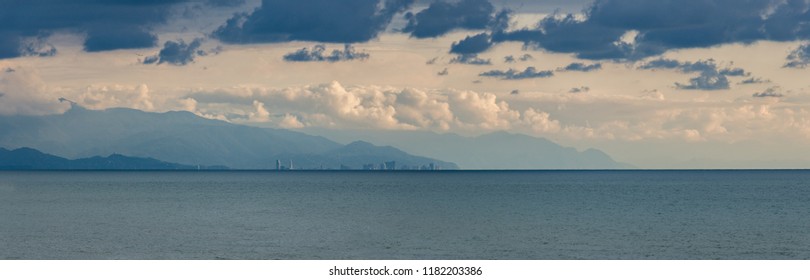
{"x":278,"y":164}
{"x":390,"y":165}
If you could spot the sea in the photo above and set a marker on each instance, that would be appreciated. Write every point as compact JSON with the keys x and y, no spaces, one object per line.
{"x":457,"y":215}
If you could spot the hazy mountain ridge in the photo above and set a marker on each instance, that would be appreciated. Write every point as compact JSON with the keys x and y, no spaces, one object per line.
{"x":32,"y":159}
{"x":187,"y":139}
{"x":496,"y":150}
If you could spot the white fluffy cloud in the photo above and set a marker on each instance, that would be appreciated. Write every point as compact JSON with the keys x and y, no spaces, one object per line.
{"x":106,"y":96}
{"x":335,"y":106}
{"x":23,"y":92}
{"x":645,"y":116}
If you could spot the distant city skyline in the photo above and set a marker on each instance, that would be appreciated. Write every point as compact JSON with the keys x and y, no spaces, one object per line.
{"x":655,"y":84}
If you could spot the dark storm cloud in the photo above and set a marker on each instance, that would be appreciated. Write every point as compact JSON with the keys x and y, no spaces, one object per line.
{"x":581,"y":67}
{"x":770,"y":92}
{"x":472,"y":44}
{"x":664,"y":25}
{"x":513,"y":74}
{"x":799,"y":58}
{"x":101,"y":39}
{"x":107,"y":24}
{"x":177,"y":53}
{"x":567,"y":34}
{"x":317,"y":54}
{"x":471,"y":59}
{"x":325,"y":21}
{"x":443,"y":16}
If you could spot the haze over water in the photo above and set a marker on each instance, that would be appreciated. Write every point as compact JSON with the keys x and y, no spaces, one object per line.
{"x":406,"y":215}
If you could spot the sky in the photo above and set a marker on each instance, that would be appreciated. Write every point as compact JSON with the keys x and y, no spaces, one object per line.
{"x":657,"y":84}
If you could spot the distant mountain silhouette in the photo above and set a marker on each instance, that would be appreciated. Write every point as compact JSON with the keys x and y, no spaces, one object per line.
{"x":31,"y":159}
{"x":188,"y":139}
{"x":497,"y":150}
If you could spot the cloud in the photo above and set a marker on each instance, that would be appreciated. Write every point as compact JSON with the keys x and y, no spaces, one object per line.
{"x":106,"y":24}
{"x":692,"y":67}
{"x":37,"y":47}
{"x":582,"y":89}
{"x":105,"y":40}
{"x":733,"y":72}
{"x":799,"y":58}
{"x":290,"y":121}
{"x":317,"y":54}
{"x":324,"y":21}
{"x":333,"y":105}
{"x":442,"y":17}
{"x":513,"y":74}
{"x":104,"y":96}
{"x":581,"y":67}
{"x":472,"y":44}
{"x":522,"y":58}
{"x":562,"y":116}
{"x":659,"y":26}
{"x":754,"y":80}
{"x":471,"y":59}
{"x":711,"y":76}
{"x":770,"y":92}
{"x":225,"y":3}
{"x":661,"y":63}
{"x":24,"y":92}
{"x":708,"y":80}
{"x":177,"y":53}
{"x":569,"y":35}
{"x":261,"y":114}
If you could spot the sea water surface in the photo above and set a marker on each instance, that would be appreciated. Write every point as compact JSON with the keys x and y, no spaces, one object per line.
{"x":405,"y":215}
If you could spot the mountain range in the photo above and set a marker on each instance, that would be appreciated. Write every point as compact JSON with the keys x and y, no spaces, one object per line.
{"x":31,"y":159}
{"x":187,"y":139}
{"x":496,"y":150}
